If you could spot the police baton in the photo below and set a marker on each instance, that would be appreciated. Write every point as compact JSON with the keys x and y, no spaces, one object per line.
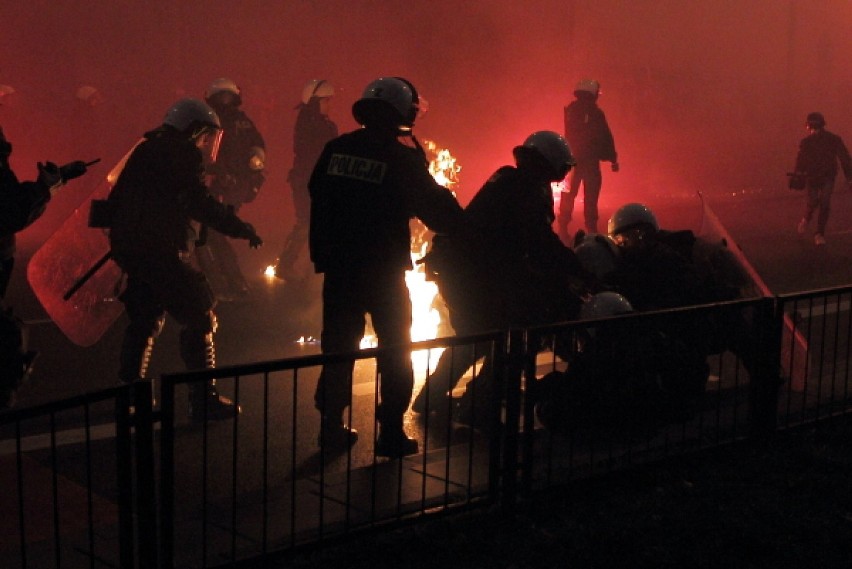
{"x":78,"y":284}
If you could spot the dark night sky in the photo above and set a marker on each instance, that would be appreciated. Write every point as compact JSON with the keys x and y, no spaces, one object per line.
{"x":709,"y":94}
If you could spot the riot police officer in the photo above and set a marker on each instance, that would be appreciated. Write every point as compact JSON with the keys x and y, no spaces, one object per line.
{"x":312,"y":131}
{"x":365,"y":188}
{"x":236,"y":178}
{"x":515,"y":273}
{"x":155,"y":200}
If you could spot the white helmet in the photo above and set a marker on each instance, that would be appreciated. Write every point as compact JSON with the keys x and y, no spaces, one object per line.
{"x":598,"y":254}
{"x":605,"y":304}
{"x":388,"y":93}
{"x":630,"y":215}
{"x":317,"y":88}
{"x":221,"y":84}
{"x":588,"y":86}
{"x":553,"y":148}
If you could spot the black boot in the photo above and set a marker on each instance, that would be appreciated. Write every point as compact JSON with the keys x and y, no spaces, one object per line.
{"x":334,"y":433}
{"x":205,"y":404}
{"x":394,"y":443}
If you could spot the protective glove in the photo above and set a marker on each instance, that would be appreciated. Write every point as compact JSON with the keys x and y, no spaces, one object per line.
{"x":615,"y":167}
{"x":72,"y":170}
{"x":253,"y":238}
{"x":50,"y":175}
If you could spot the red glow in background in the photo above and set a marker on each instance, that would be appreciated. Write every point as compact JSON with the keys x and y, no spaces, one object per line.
{"x":706,"y":95}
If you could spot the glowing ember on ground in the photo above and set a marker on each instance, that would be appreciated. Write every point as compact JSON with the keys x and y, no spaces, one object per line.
{"x":269,"y":271}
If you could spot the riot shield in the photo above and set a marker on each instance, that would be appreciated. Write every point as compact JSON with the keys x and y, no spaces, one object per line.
{"x":72,"y":276}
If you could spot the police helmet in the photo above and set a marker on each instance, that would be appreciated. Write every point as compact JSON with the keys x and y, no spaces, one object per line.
{"x":192,"y":116}
{"x":590,"y":86}
{"x":553,"y":148}
{"x":629,"y":216}
{"x":220,"y":89}
{"x":598,"y":254}
{"x":388,"y":98}
{"x":604,"y":304}
{"x":318,"y":88}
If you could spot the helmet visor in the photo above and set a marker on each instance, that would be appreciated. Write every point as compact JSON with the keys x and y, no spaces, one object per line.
{"x":208,"y":141}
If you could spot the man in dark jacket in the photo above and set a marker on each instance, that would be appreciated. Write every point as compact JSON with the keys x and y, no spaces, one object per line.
{"x":816,"y":162}
{"x":158,"y":196}
{"x":591,"y":142}
{"x":365,"y":188}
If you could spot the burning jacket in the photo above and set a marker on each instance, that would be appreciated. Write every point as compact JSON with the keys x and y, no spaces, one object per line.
{"x":365,"y":188}
{"x":158,"y":196}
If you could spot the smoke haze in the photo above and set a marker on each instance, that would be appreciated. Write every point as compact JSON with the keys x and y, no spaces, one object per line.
{"x":707,"y":95}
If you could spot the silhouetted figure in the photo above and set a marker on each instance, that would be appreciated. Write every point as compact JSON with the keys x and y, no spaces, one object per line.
{"x":365,"y":188}
{"x":22,"y":203}
{"x":157,"y":197}
{"x":235,"y":180}
{"x":591,"y":141}
{"x":515,"y":273}
{"x":816,"y":163}
{"x":312,"y":131}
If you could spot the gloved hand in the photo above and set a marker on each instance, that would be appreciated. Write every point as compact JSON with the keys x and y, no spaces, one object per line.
{"x":253,"y":238}
{"x":49,"y":175}
{"x":615,"y":167}
{"x":72,"y":170}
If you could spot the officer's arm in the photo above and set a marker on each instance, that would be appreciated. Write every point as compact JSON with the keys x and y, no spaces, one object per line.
{"x":435,"y":205}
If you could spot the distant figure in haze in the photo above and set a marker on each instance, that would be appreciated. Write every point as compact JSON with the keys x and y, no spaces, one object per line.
{"x":365,"y":188}
{"x":235,"y":179}
{"x":816,"y":166}
{"x":313,"y":130}
{"x":591,"y":142}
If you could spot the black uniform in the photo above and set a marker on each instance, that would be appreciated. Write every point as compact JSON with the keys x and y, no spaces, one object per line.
{"x":591,"y":142}
{"x":312,"y":132}
{"x":21,"y":204}
{"x":516,"y":273}
{"x":365,"y":188}
{"x":157,"y":197}
{"x":234,"y":182}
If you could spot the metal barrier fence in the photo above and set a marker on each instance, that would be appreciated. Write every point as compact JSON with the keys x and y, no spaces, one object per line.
{"x":104,"y":480}
{"x":78,"y":482}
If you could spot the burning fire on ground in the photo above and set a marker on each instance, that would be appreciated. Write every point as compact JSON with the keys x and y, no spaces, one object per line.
{"x":425,"y":301}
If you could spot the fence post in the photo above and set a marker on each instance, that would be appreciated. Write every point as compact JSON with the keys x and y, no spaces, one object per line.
{"x":124,"y":478}
{"x":511,"y":369}
{"x":764,"y":386}
{"x":167,"y":472}
{"x":145,"y":486}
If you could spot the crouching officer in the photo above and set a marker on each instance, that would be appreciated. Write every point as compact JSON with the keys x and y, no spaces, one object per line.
{"x":365,"y":188}
{"x":156,"y":198}
{"x":515,"y":272}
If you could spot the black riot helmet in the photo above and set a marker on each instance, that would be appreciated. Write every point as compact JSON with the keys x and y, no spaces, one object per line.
{"x":389,"y":100}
